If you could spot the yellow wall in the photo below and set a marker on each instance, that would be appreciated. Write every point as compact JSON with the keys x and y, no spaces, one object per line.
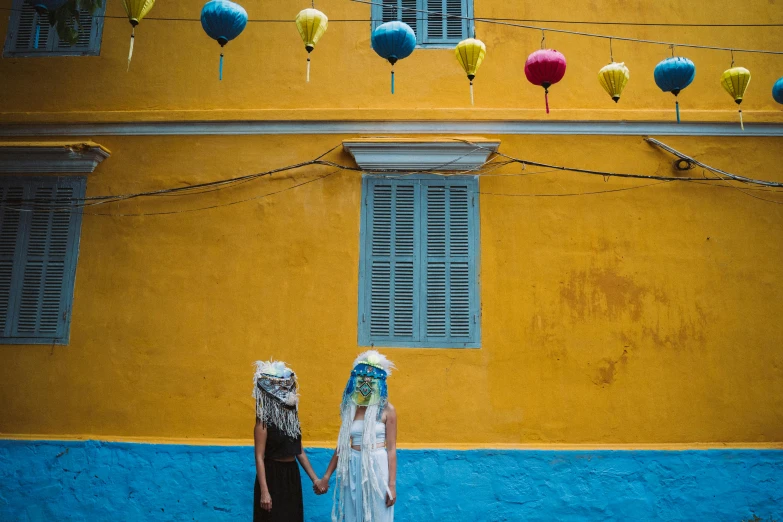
{"x":175,"y":67}
{"x":641,"y":316}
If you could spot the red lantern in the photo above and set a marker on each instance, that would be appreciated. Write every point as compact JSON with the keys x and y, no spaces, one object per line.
{"x":545,"y":67}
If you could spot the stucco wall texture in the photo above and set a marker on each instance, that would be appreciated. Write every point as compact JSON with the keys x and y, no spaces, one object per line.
{"x":72,"y":481}
{"x":646,"y":315}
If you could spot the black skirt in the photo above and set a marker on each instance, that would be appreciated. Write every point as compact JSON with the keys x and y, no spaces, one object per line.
{"x":285,"y":488}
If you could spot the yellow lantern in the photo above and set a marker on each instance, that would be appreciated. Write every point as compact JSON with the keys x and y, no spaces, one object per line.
{"x":136,"y":10}
{"x":470,"y":53}
{"x":613,"y":78}
{"x":312,"y":25}
{"x":735,"y":81}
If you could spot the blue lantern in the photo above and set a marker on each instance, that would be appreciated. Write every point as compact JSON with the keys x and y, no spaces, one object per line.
{"x":43,"y":7}
{"x":673,"y":75}
{"x":393,"y":41}
{"x":223,"y":20}
{"x":777,"y":90}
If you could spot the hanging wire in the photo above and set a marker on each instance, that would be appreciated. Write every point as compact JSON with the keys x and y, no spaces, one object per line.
{"x":611,"y":53}
{"x":732,"y":58}
{"x":543,"y":38}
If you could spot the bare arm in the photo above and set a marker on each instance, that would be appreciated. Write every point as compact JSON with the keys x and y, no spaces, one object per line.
{"x":259,"y":437}
{"x":322,"y":485}
{"x":305,"y":463}
{"x":391,"y":450}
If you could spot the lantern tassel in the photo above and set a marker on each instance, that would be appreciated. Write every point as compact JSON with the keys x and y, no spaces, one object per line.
{"x":471,"y":92}
{"x":546,"y":99}
{"x":677,"y":108}
{"x":220,"y":69}
{"x":130,"y":51}
{"x":392,"y":80}
{"x":742,"y":125}
{"x":308,"y":67}
{"x":37,"y":34}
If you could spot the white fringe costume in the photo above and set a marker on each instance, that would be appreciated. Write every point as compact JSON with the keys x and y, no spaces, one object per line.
{"x":374,"y":481}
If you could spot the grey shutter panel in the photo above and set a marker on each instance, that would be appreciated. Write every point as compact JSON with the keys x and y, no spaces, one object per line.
{"x":402,"y":10}
{"x":44,"y":258}
{"x":448,"y":271}
{"x":446,"y":21}
{"x":21,"y":33}
{"x":41,"y":309}
{"x":391,"y":294}
{"x":25,"y":31}
{"x":85,"y":33}
{"x":11,"y":198}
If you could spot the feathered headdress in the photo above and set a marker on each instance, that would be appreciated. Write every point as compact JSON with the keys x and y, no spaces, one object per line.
{"x":275,"y":389}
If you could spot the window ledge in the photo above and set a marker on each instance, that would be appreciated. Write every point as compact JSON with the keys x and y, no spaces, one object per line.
{"x":50,"y":157}
{"x":435,"y":154}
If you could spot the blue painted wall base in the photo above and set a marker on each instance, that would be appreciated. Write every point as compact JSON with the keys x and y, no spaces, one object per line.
{"x":97,"y":481}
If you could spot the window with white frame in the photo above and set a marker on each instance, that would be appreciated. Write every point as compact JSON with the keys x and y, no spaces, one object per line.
{"x":419,"y":268}
{"x":435,"y":22}
{"x":25,"y":21}
{"x":39,"y":245}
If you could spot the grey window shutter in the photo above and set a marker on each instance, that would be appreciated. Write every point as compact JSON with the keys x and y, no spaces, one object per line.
{"x":402,"y":10}
{"x":11,"y":197}
{"x":448,"y":271}
{"x":24,"y":36}
{"x":391,"y":309}
{"x":44,"y":259}
{"x":446,"y":21}
{"x":21,"y":33}
{"x":85,"y":33}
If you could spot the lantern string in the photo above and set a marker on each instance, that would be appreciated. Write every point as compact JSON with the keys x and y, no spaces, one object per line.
{"x":392,"y":79}
{"x":308,"y":67}
{"x":677,"y":108}
{"x":742,"y":125}
{"x":611,"y":53}
{"x":37,"y":34}
{"x":732,"y":60}
{"x":220,"y":67}
{"x":543,"y":38}
{"x":130,"y":50}
{"x":471,"y":92}
{"x":546,"y":99}
{"x":671,"y":46}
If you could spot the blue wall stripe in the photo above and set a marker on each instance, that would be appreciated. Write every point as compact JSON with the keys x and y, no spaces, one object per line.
{"x":52,"y":480}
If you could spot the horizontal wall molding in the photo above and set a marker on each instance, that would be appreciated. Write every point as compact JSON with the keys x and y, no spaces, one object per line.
{"x":421,"y":154}
{"x":381,"y":127}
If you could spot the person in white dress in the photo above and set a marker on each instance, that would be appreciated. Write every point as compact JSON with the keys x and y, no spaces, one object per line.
{"x":366,"y":455}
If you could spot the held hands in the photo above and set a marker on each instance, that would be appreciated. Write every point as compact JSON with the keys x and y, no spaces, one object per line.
{"x":320,"y":486}
{"x":391,"y":500}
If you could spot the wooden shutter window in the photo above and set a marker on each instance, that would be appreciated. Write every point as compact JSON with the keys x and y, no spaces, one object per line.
{"x":23,"y":21}
{"x":419,"y":278}
{"x":435,"y":22}
{"x":39,"y":241}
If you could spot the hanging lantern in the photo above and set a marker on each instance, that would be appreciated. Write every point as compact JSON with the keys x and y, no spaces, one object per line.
{"x":393,"y":41}
{"x":470,"y":53}
{"x":545,"y":67}
{"x":223,"y":20}
{"x":136,"y":10}
{"x":777,"y":91}
{"x":735,"y":81}
{"x":312,"y":26}
{"x":613,"y":78}
{"x":673,"y":75}
{"x":43,"y":8}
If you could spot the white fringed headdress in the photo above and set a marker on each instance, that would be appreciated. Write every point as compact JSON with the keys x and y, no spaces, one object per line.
{"x":275,"y":389}
{"x":374,"y":366}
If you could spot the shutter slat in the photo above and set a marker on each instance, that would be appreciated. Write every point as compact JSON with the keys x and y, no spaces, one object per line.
{"x":435,"y":19}
{"x":454,"y":22}
{"x":409,"y":14}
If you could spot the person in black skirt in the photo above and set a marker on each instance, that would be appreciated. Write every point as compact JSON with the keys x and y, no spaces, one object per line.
{"x":278,"y":445}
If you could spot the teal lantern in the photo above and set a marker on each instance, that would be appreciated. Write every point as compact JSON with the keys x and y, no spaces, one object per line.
{"x":393,"y":41}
